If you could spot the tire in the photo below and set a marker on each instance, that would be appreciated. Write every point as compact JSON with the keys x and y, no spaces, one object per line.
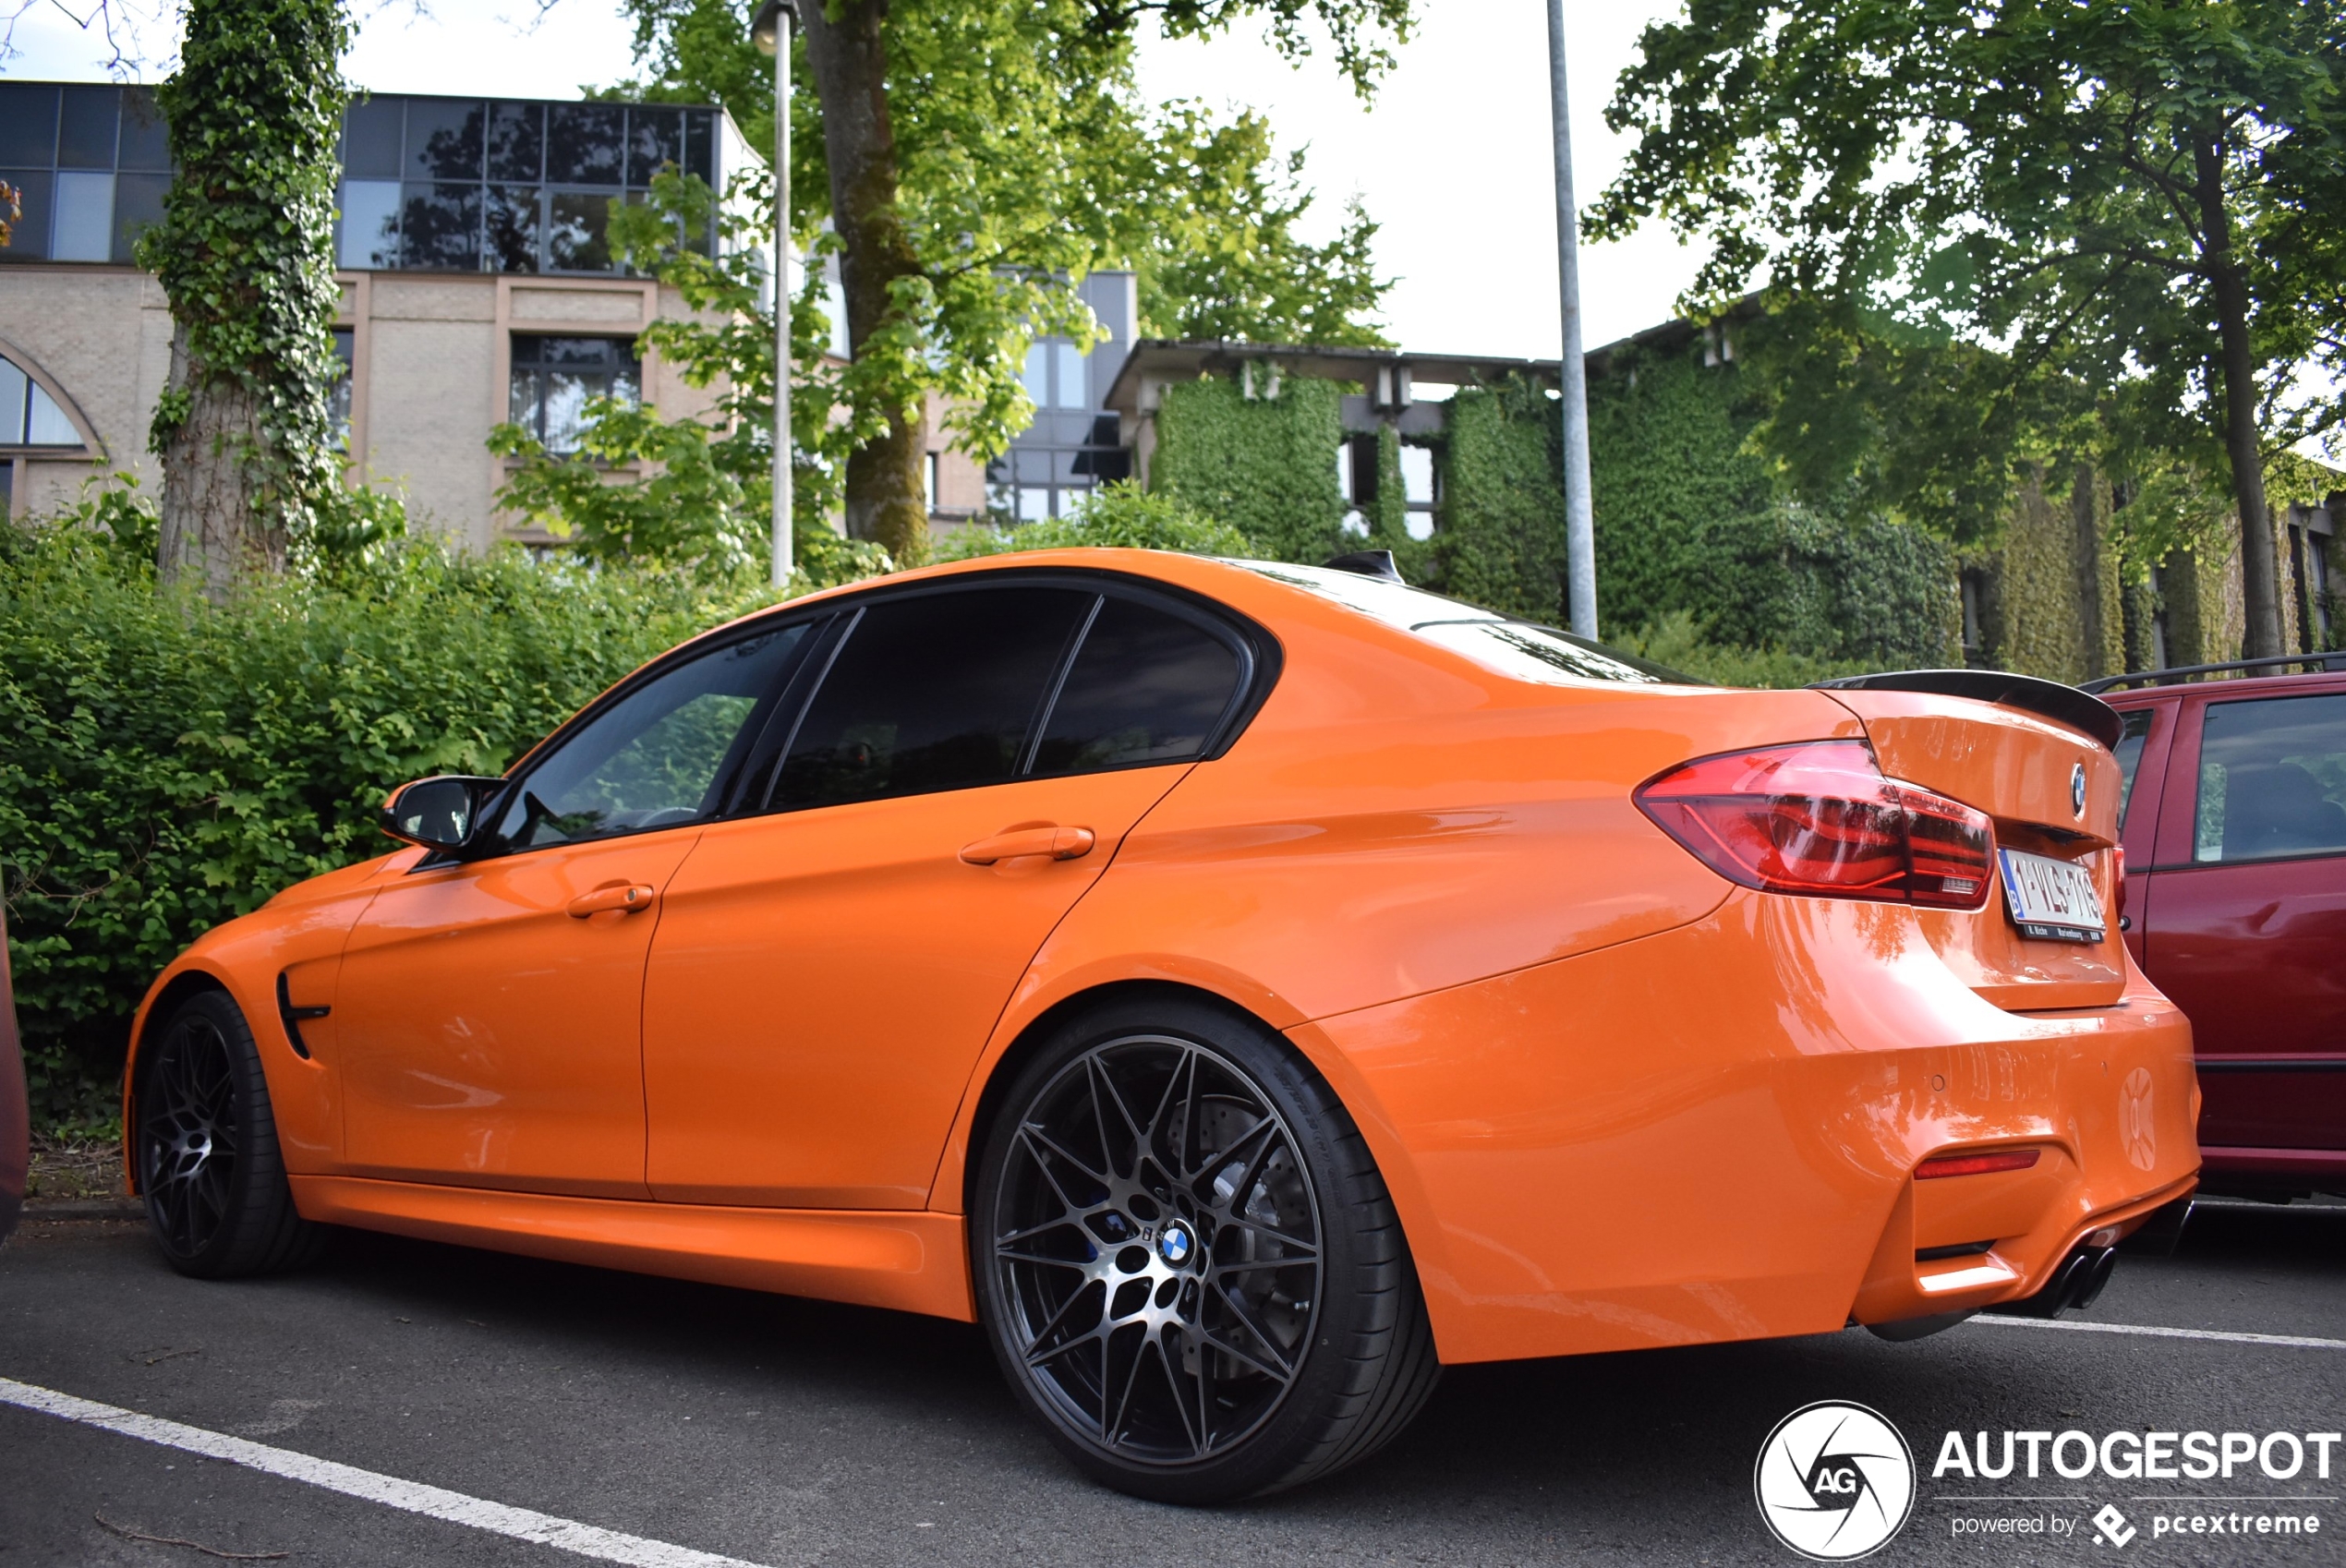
{"x":1186,"y":1261}
{"x":208,"y":1160}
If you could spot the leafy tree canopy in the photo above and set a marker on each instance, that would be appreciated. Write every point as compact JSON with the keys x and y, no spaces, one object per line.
{"x":969,"y":162}
{"x":1997,"y":229}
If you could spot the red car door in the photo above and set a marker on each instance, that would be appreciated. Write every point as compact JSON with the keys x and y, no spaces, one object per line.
{"x":2245,"y":922}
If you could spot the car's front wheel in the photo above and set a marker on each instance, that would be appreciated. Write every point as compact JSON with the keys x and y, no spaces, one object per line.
{"x":1189,"y":1265}
{"x":206,"y":1148}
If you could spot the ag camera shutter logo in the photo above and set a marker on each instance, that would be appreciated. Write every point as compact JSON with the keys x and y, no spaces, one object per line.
{"x":1834,"y":1481}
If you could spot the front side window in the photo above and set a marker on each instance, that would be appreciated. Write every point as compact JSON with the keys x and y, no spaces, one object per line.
{"x":660,"y":756}
{"x":932,"y":691}
{"x":554,"y":380}
{"x":2272,"y":780}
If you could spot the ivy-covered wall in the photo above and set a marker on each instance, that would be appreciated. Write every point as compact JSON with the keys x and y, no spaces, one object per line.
{"x":1499,"y":529}
{"x":1266,"y":464}
{"x":2049,"y":588}
{"x":1688,"y":521}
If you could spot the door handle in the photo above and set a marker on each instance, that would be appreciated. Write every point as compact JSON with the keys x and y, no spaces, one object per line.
{"x":1032,"y":838}
{"x":625,"y":899}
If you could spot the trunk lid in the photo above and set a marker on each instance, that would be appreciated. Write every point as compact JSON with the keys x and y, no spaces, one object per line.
{"x":2022,"y":771}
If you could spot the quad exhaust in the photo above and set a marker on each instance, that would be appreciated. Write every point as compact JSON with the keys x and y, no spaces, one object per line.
{"x":2073,"y":1288}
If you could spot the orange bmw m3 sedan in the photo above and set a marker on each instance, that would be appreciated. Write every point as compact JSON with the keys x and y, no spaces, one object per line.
{"x":1242,"y":988}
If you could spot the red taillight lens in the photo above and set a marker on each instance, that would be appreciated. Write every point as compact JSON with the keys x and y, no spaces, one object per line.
{"x":1978,"y":1165}
{"x":2118,"y":883}
{"x":1818,"y":817}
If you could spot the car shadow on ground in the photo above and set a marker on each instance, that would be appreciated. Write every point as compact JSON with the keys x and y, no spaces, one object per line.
{"x":1569,"y":1449}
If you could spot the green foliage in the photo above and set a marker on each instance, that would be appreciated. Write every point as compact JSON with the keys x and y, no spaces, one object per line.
{"x":1689,"y":519}
{"x":2134,"y":203}
{"x":245,"y":249}
{"x":1219,"y":257}
{"x":692,"y":493}
{"x":1501,"y":539}
{"x":1266,"y":464}
{"x":1015,"y":156}
{"x":174,"y":763}
{"x":1678,"y":642}
{"x":1121,"y":516}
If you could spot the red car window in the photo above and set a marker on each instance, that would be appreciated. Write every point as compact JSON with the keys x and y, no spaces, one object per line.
{"x":2272,"y":780}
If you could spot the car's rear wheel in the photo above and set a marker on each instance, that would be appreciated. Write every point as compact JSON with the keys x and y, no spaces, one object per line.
{"x":1189,"y":1265}
{"x":207,"y":1149}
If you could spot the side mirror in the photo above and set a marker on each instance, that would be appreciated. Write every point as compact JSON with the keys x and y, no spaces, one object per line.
{"x":440,"y":813}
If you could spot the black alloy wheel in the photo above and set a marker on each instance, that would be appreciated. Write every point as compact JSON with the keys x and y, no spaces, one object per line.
{"x":208,"y":1161}
{"x":1191,"y":1269}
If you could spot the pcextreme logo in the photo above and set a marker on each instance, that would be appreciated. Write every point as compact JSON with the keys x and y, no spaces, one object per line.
{"x":1834,"y":1481}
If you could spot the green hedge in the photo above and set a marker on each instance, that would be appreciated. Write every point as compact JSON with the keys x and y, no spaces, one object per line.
{"x":173,"y":764}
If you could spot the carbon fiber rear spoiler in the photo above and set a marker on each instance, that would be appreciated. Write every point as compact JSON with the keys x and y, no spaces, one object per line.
{"x":2047,"y":699}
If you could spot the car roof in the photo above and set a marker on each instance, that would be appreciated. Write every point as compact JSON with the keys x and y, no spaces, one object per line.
{"x":2231,"y":689}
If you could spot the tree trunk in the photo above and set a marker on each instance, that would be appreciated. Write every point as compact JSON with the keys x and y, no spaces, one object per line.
{"x":2093,"y":630}
{"x":885,"y":500}
{"x":212,"y":529}
{"x":2259,"y":574}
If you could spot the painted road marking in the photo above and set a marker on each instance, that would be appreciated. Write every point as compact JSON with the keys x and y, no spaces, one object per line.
{"x":2298,"y":1341}
{"x":414,"y":1497}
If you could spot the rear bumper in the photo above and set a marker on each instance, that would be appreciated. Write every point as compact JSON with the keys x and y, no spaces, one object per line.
{"x":1710,"y":1134}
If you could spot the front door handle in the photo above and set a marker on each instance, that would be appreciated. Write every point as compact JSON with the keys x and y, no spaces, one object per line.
{"x":626,"y":899}
{"x":1032,"y":838}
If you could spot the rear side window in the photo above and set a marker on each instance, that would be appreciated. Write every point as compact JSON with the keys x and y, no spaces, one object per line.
{"x":931,"y":691}
{"x":2130,"y":756}
{"x":1146,"y":686}
{"x":2272,"y":780}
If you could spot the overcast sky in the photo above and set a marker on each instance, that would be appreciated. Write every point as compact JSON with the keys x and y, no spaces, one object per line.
{"x":1452,"y":157}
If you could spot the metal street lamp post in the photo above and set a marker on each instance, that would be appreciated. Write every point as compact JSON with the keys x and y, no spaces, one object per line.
{"x":771,"y":32}
{"x":1579,"y":521}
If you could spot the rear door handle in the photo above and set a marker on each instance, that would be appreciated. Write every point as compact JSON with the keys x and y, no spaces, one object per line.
{"x":627,"y":901}
{"x":1032,"y":838}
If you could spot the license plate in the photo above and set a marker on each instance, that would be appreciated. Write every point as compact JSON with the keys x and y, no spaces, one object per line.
{"x":2050,"y":898}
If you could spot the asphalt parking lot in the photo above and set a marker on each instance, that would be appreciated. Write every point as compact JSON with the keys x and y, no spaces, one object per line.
{"x":782,"y":1432}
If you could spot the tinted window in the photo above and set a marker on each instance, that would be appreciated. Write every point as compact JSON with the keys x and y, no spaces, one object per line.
{"x":660,"y":756}
{"x":938,"y":691}
{"x":2130,"y":756}
{"x":2272,"y":780}
{"x":1146,"y":686}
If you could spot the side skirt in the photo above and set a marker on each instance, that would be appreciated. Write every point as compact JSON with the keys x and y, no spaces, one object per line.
{"x":911,"y":1261}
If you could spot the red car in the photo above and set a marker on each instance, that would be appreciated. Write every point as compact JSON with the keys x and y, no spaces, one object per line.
{"x":2233,"y":824}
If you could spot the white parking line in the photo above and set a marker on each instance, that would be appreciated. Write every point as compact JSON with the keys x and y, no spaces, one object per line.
{"x":435,"y":1502}
{"x":2298,"y":1341}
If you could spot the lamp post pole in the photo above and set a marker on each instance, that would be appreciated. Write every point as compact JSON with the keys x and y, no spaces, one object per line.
{"x":771,"y":32}
{"x":1580,"y":520}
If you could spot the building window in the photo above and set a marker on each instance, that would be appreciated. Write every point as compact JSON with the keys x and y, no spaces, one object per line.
{"x":28,"y":416}
{"x":555,"y":379}
{"x":928,"y":480}
{"x":90,"y":165}
{"x":338,"y":400}
{"x":463,"y":185}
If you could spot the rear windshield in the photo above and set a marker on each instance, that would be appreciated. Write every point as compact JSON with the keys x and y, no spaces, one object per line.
{"x":1523,"y":649}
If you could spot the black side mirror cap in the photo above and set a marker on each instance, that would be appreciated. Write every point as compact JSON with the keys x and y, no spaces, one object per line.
{"x":440,"y":813}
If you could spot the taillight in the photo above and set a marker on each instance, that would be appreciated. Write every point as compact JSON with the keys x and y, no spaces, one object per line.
{"x":2118,"y":880}
{"x":1818,"y":817}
